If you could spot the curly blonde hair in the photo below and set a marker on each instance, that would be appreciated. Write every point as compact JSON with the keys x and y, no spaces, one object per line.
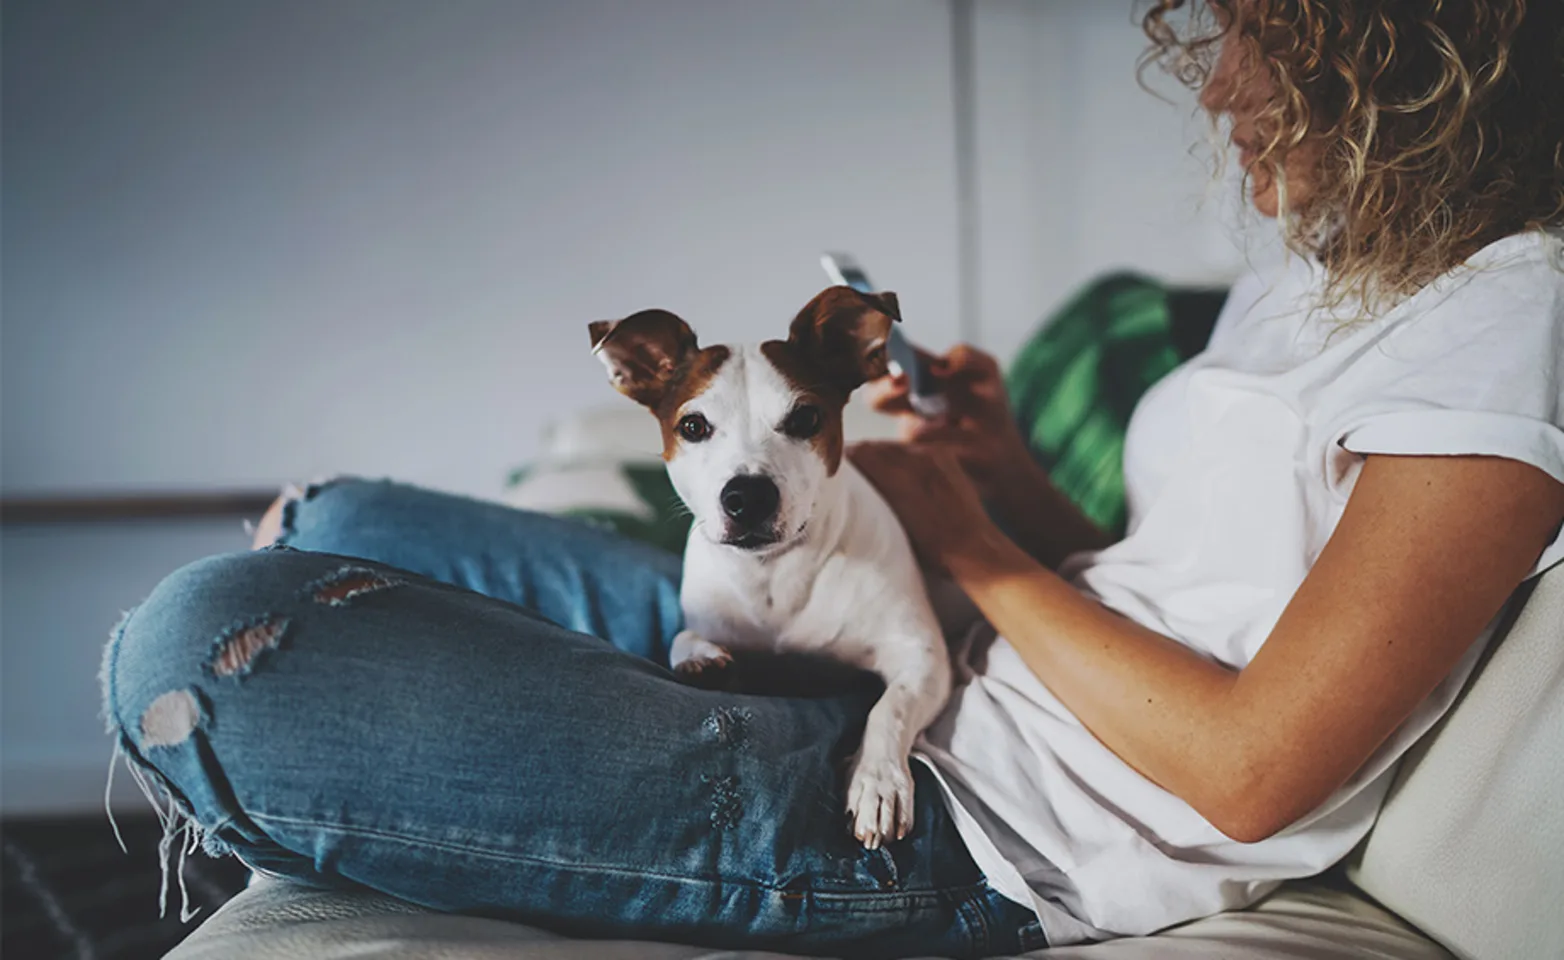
{"x":1438,"y":124}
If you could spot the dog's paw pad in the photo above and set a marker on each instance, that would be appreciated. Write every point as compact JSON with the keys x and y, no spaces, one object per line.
{"x":709,"y":672}
{"x":879,"y":801}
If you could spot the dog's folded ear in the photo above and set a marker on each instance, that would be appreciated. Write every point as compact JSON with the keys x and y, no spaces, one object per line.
{"x":643,"y":352}
{"x":843,"y":332}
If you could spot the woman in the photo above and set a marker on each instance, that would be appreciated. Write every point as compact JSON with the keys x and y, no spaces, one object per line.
{"x":1327,"y":507}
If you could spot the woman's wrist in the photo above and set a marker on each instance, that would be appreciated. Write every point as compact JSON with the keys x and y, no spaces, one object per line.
{"x":977,"y":550}
{"x":1020,"y":488}
{"x":1044,"y":522}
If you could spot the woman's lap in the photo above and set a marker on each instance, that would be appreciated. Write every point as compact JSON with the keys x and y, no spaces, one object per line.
{"x":336,"y":718}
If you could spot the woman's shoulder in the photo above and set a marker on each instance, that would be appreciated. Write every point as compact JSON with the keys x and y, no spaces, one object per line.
{"x":1530,"y":262}
{"x":1472,"y":365}
{"x":1508,"y":298}
{"x":1511,"y":284}
{"x":1538,"y":248}
{"x":1510,"y":292}
{"x":1526,"y":266}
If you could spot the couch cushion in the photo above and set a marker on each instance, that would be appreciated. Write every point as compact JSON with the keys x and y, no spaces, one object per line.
{"x":281,"y":920}
{"x":1470,"y":843}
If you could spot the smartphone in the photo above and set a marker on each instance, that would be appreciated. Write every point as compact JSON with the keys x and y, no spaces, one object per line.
{"x":922,"y":389}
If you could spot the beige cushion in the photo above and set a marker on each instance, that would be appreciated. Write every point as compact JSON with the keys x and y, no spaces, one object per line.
{"x":1470,"y":843}
{"x":1300,"y":920}
{"x":279,"y":920}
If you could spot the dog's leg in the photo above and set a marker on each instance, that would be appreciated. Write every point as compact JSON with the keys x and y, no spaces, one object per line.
{"x":879,"y":791}
{"x":697,"y":660}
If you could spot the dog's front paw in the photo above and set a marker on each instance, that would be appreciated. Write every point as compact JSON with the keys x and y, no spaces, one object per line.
{"x":879,"y":800}
{"x":699,"y":662}
{"x":715,"y":673}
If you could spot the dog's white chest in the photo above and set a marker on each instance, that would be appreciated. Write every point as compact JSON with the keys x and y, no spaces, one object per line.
{"x":847,"y":592}
{"x":756,"y":607}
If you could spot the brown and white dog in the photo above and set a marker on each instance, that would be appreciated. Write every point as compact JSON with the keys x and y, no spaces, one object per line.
{"x":792,"y":550}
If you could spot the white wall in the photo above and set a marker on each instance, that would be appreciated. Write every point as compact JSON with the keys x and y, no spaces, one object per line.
{"x":1081,"y":169}
{"x":247,"y":242}
{"x":251,"y":241}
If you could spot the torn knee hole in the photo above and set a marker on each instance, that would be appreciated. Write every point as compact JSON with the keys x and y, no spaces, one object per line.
{"x":170,"y":720}
{"x":347,"y":584}
{"x":238,"y":648}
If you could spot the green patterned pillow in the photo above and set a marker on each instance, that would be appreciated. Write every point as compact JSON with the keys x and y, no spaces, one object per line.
{"x":1075,"y":383}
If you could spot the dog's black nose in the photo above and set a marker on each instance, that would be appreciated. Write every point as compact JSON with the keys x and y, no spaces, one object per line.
{"x":750,"y":500}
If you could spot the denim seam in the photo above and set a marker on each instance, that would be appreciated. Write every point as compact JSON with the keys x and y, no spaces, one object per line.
{"x":977,"y":924}
{"x":885,"y":899}
{"x":870,"y":901}
{"x":1030,"y":938}
{"x":110,"y":669}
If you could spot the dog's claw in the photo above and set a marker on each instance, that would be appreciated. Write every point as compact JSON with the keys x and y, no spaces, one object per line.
{"x":709,"y":673}
{"x":879,"y":799}
{"x":699,"y":662}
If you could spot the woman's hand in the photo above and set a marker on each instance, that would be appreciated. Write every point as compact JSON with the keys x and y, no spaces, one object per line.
{"x":979,"y":433}
{"x":930,"y":493}
{"x":979,"y":429}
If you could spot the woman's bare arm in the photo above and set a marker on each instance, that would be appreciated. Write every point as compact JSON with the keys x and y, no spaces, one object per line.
{"x":1426,"y":553}
{"x":1042,"y":520}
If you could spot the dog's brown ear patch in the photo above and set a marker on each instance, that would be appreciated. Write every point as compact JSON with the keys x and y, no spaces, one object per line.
{"x":842,"y":332}
{"x":814,"y":386}
{"x":643,"y":352}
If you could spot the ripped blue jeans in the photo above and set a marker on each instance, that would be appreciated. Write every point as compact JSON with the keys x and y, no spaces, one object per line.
{"x":466,"y":706}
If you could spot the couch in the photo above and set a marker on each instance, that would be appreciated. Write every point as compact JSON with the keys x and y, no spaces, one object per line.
{"x":1466,"y":859}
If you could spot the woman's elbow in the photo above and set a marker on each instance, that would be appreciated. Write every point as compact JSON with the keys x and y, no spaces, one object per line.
{"x":1255,"y":788}
{"x":1250,"y":815}
{"x":1248,"y":823}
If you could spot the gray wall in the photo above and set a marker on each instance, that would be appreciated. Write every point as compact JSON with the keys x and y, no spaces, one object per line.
{"x":246,"y":241}
{"x":65,"y":586}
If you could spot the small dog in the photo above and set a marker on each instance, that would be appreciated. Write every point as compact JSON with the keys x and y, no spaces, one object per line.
{"x":792,"y":550}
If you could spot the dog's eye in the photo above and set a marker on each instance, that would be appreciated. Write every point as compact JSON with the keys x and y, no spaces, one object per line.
{"x":694,"y":427}
{"x":804,"y":422}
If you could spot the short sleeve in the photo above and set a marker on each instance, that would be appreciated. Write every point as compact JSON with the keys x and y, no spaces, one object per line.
{"x":1476,"y":369}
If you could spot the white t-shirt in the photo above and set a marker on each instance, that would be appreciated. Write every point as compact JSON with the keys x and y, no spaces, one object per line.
{"x":1237,"y":467}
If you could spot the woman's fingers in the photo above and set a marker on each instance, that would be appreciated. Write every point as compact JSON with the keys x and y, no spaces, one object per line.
{"x":968,"y":362}
{"x":940,"y":430}
{"x":889,"y":395}
{"x":968,"y":377}
{"x":971,"y":378}
{"x":871,"y":457}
